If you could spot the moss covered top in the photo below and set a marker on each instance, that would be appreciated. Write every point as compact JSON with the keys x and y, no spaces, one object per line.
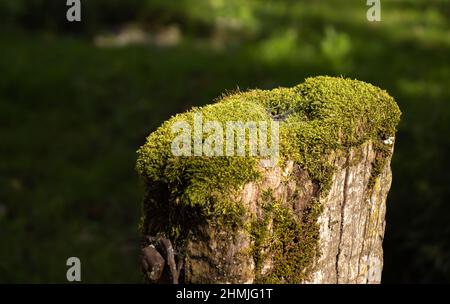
{"x":316,"y":117}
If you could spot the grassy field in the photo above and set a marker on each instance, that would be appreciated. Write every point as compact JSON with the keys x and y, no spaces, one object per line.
{"x":72,"y":115}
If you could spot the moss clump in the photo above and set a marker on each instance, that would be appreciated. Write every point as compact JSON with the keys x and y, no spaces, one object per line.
{"x":195,"y":185}
{"x":317,"y":117}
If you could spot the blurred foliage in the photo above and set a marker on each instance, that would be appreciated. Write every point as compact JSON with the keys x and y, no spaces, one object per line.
{"x":72,"y":115}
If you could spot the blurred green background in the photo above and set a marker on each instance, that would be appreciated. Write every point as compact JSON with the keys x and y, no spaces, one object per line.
{"x":78,"y":99}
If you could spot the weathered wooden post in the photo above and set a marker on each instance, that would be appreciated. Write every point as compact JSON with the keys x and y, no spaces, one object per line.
{"x":314,"y":215}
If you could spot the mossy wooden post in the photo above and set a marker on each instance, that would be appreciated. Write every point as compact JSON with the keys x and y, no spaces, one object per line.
{"x":317,"y":216}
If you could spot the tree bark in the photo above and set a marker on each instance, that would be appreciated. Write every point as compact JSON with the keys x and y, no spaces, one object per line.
{"x":353,"y":221}
{"x":316,"y":216}
{"x":351,"y":227}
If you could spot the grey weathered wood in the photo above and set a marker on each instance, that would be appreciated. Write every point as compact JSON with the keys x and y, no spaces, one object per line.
{"x":353,"y":221}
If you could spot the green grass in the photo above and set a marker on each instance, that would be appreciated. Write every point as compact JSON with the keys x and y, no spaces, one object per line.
{"x":73,"y":115}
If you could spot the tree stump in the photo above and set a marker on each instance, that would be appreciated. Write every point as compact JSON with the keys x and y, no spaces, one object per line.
{"x":315,"y":215}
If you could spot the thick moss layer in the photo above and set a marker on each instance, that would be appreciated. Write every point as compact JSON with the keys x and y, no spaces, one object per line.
{"x":321,"y":115}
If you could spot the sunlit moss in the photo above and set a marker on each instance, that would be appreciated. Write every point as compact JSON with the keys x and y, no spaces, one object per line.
{"x":318,"y":117}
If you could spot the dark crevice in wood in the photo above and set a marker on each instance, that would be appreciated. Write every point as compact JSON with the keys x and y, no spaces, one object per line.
{"x":367,"y":163}
{"x":344,"y":201}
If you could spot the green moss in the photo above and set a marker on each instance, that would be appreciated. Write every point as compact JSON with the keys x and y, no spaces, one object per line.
{"x":194,"y":180}
{"x":260,"y":233}
{"x":194,"y":187}
{"x":292,"y":245}
{"x":318,"y":117}
{"x":382,"y":153}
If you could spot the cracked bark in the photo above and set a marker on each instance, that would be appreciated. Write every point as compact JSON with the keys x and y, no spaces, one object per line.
{"x":352,"y":248}
{"x":351,"y":226}
{"x":341,"y":227}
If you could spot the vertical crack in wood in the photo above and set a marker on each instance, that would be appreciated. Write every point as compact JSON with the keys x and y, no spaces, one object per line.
{"x":367,"y":173}
{"x":378,"y":201}
{"x":344,"y":201}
